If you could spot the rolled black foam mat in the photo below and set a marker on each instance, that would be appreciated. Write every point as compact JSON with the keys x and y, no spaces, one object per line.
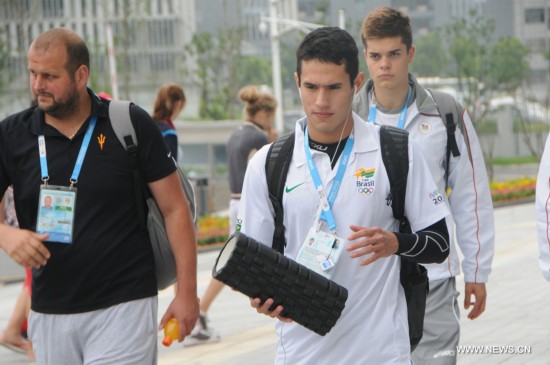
{"x":258,"y":271}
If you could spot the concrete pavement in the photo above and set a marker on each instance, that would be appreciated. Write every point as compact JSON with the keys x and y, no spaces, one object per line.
{"x":517,"y":318}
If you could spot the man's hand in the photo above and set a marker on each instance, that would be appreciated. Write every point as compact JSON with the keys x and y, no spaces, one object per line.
{"x":376,"y":242}
{"x":185,"y":310}
{"x":479,"y":291}
{"x":264,"y":309}
{"x":24,"y":247}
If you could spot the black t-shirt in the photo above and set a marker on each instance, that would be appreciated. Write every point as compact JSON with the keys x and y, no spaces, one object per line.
{"x":241,"y":143}
{"x":110,"y":260}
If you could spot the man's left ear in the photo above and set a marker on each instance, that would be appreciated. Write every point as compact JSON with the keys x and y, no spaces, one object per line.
{"x":411,"y":54}
{"x":81,"y":75}
{"x":359,"y":81}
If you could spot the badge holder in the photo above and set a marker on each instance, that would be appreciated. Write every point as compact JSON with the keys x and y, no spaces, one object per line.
{"x":56,"y":206}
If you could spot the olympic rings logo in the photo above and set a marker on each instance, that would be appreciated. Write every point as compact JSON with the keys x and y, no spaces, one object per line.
{"x":366,"y":191}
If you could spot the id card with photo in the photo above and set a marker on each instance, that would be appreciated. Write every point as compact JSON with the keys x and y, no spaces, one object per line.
{"x":56,"y":206}
{"x":320,"y":252}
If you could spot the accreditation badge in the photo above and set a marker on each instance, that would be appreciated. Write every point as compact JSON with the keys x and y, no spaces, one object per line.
{"x":56,"y":206}
{"x":320,"y":251}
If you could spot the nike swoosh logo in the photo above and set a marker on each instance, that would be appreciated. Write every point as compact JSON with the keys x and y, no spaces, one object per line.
{"x":288,"y":190}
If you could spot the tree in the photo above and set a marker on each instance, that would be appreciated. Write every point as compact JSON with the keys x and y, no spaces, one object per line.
{"x":430,"y":58}
{"x":215,"y":59}
{"x":508,"y":54}
{"x":482,"y":69}
{"x":253,"y":70}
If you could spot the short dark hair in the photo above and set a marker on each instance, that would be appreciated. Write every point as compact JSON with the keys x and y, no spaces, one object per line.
{"x":331,"y":45}
{"x":386,"y":22}
{"x":77,"y":51}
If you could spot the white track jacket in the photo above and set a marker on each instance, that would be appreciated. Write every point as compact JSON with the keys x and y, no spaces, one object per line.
{"x":543,"y":211}
{"x":470,"y":198}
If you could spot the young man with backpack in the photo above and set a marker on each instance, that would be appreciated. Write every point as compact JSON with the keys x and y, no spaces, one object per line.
{"x":336,"y":191}
{"x":447,"y":139}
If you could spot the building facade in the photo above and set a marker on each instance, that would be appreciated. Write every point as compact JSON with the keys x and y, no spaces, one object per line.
{"x":149,"y":37}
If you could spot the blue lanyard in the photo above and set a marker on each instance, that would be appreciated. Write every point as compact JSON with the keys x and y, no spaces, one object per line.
{"x":79,"y":159}
{"x":402,"y":116}
{"x":327,"y":203}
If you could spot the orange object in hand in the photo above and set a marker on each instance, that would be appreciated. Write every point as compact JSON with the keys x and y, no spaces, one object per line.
{"x":171,"y":332}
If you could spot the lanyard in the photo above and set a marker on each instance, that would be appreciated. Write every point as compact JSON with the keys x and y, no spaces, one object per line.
{"x":79,"y":159}
{"x":327,"y":203}
{"x":402,"y":116}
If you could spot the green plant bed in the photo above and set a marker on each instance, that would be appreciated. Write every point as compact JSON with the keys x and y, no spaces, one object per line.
{"x":513,"y":190}
{"x":212,"y":229}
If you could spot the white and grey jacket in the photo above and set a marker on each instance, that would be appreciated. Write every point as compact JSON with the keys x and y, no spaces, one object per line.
{"x":469,"y":199}
{"x":543,"y":211}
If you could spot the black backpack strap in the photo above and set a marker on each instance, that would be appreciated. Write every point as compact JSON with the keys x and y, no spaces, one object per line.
{"x":276,"y":169}
{"x":394,"y":143}
{"x":451,"y":115}
{"x":413,"y":277}
{"x":119,"y":115}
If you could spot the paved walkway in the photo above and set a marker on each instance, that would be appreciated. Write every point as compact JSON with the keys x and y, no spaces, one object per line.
{"x":517,"y":316}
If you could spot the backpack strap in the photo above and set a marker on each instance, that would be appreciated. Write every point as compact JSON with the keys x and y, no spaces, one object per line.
{"x":119,"y":114}
{"x":277,"y":164}
{"x":394,"y":143}
{"x":451,"y":115}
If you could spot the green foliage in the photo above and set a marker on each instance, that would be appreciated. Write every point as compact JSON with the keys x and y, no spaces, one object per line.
{"x":430,"y":58}
{"x":4,"y":60}
{"x":253,"y":70}
{"x":469,"y":44}
{"x":514,"y":160}
{"x":522,"y":126}
{"x":216,"y":60}
{"x":508,"y":54}
{"x":486,"y":127}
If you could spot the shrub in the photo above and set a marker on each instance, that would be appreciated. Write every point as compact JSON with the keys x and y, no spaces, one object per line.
{"x":515,"y":189}
{"x":212,"y":229}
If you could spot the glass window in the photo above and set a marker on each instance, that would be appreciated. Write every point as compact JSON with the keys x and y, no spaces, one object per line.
{"x":52,"y":8}
{"x":534,"y":15}
{"x":161,"y":32}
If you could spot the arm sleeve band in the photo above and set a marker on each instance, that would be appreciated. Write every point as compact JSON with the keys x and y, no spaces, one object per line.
{"x":430,"y":245}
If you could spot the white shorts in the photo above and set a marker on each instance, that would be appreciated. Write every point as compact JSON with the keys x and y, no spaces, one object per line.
{"x":123,"y":334}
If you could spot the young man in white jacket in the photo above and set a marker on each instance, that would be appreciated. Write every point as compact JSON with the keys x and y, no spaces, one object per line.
{"x":543,"y":211}
{"x":393,"y":97}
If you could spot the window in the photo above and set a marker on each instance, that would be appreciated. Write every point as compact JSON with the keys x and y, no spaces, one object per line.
{"x":161,"y":32}
{"x":161,"y":62}
{"x":534,"y":15}
{"x":536,"y":44}
{"x":52,"y":8}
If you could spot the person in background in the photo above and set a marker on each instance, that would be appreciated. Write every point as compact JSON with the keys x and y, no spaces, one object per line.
{"x":543,"y":210}
{"x":94,"y":297}
{"x":255,"y":132}
{"x":14,"y":335}
{"x":393,"y":97}
{"x":168,"y":105}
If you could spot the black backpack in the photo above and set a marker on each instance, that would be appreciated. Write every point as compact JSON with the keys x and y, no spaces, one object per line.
{"x":395,"y":154}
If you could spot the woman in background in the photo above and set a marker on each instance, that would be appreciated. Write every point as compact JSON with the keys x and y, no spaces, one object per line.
{"x":169,"y":104}
{"x":255,"y":132}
